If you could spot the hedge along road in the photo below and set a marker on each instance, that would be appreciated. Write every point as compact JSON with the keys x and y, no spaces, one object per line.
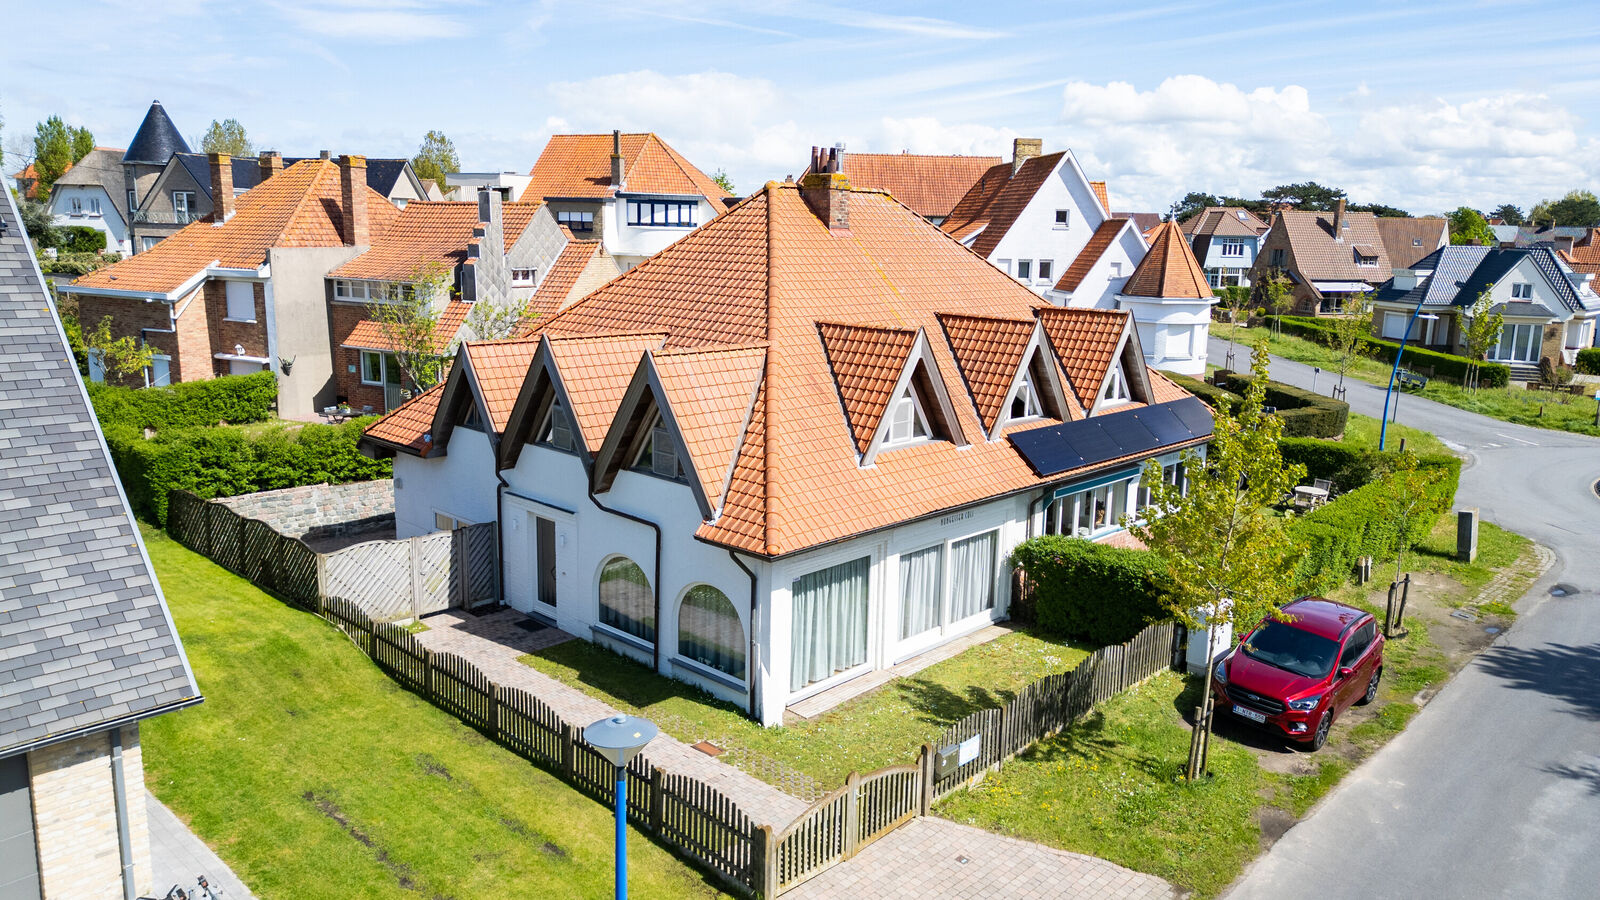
{"x":1494,"y":789}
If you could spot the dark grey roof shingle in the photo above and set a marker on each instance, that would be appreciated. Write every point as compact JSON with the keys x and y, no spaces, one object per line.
{"x":85,"y":637}
{"x":156,"y":140}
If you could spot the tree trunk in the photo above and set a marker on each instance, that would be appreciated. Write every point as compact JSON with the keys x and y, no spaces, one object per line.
{"x":1200,"y":737}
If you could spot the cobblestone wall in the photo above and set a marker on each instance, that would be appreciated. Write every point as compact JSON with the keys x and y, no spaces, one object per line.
{"x":320,"y":510}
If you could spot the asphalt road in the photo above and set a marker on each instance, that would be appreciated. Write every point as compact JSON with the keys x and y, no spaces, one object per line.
{"x":1494,"y":789}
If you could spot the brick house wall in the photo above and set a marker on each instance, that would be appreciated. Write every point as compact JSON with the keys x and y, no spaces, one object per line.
{"x":225,"y":334}
{"x":75,"y":820}
{"x":130,"y":318}
{"x":343,"y":318}
{"x":192,"y":361}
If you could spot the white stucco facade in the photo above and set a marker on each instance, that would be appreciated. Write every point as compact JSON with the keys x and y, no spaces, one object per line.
{"x":632,"y":244}
{"x":88,"y":205}
{"x":1172,"y":332}
{"x":460,"y":485}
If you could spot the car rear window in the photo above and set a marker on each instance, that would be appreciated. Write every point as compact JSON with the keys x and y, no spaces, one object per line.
{"x":1287,"y":647}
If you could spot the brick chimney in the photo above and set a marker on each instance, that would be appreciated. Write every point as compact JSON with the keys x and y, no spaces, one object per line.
{"x":353,"y":201}
{"x":1338,"y":220}
{"x":271,"y":163}
{"x":826,"y":190}
{"x":616,"y":160}
{"x":221,"y":187}
{"x":1024,"y":149}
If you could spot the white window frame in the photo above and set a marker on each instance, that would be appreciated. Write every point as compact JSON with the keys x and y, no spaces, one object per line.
{"x":383,"y":368}
{"x":1115,"y":392}
{"x":1116,"y":269}
{"x":77,"y":205}
{"x":902,"y":433}
{"x":183,"y":213}
{"x":230,"y":313}
{"x":1063,"y":219}
{"x":456,"y":522}
{"x":558,"y":431}
{"x":94,"y":206}
{"x":524,"y":277}
{"x":1024,"y":270}
{"x":1232,"y":248}
{"x":1522,"y":290}
{"x":1043,"y":269}
{"x":659,"y":452}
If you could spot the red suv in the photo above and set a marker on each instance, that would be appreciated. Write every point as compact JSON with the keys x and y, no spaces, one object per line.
{"x":1295,"y":677}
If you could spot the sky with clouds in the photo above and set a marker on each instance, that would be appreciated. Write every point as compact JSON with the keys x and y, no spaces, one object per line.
{"x":1425,"y":106}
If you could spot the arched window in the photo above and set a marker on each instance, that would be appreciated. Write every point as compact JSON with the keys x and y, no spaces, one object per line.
{"x":709,"y":631}
{"x":625,"y":600}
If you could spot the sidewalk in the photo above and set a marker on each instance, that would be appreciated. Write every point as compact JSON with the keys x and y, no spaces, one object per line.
{"x":179,"y":857}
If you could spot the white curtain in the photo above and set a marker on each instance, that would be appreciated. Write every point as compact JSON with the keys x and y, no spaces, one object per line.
{"x":972,"y":563}
{"x":829,"y":633}
{"x":920,"y":575}
{"x":709,"y":631}
{"x":625,"y":599}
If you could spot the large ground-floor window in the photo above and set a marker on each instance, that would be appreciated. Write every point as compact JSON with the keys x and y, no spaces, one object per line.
{"x":925,"y":602}
{"x":829,"y":629}
{"x":1518,"y":343}
{"x":626,"y":603}
{"x":1098,"y":508}
{"x":709,"y":631}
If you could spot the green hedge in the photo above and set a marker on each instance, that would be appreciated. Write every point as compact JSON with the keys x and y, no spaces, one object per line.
{"x":1589,"y":361}
{"x":223,"y":462}
{"x":1205,"y":390}
{"x":1091,"y":591}
{"x":1304,"y":413}
{"x":81,"y":239}
{"x":235,"y":399}
{"x":1444,"y":365}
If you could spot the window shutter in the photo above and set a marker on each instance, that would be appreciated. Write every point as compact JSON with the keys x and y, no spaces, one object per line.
{"x":663,"y":456}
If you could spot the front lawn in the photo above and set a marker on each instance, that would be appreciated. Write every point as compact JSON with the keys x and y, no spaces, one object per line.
{"x":808,"y":758}
{"x":313,"y":775}
{"x":1363,"y":431}
{"x":1540,"y":409}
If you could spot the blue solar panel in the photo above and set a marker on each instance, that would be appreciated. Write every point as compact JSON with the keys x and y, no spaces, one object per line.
{"x":1073,"y":445}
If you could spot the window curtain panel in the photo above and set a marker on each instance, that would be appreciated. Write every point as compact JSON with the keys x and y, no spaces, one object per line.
{"x":625,"y":601}
{"x":709,"y":631}
{"x":829,"y":632}
{"x":972,"y":575}
{"x":920,"y":575}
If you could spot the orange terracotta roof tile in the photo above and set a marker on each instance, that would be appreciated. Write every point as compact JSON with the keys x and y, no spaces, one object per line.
{"x":971,"y":212}
{"x":866,"y":363}
{"x":1164,"y":390}
{"x":1169,"y":269}
{"x":742,"y":523}
{"x":429,"y":232}
{"x":1102,"y":195}
{"x":555,"y":290}
{"x":710,"y":393}
{"x":500,"y":368}
{"x":930,"y":185}
{"x":988,"y":351}
{"x":596,"y":370}
{"x":1085,"y":340}
{"x":407,"y":426}
{"x":579,"y":165}
{"x":369,"y":334}
{"x":1098,"y":244}
{"x":997,"y":199}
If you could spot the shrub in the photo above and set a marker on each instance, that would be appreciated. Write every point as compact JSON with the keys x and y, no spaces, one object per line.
{"x":1589,"y":361}
{"x":1444,"y":365}
{"x":1210,"y":393}
{"x":235,"y":399}
{"x":1092,"y":591}
{"x":1304,"y":413}
{"x":223,"y":462}
{"x":81,"y":239}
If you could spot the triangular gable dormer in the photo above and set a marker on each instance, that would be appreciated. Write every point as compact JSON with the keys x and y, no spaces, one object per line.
{"x":460,"y":403}
{"x":889,"y":387}
{"x":1126,"y":379}
{"x":1010,"y":370}
{"x":541,"y":406}
{"x":645,"y":437}
{"x":1089,"y":342}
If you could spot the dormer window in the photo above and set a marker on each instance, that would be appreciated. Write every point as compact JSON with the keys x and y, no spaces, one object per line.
{"x":1116,"y":390}
{"x":557,"y":430}
{"x":523,"y":277}
{"x":1365,"y":259}
{"x":908,"y":422}
{"x":1025,"y":403}
{"x":658,"y":455}
{"x":472,"y":420}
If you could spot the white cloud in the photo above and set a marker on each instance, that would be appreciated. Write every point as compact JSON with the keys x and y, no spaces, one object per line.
{"x":372,"y":20}
{"x":1192,"y":133}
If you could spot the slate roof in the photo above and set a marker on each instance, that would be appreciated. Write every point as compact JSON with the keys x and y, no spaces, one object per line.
{"x":930,"y":185}
{"x":246,"y":171}
{"x":101,"y":166}
{"x":85,"y":637}
{"x":157,"y":138}
{"x":1169,"y":269}
{"x":1410,"y":239}
{"x":579,"y":166}
{"x":1460,"y":273}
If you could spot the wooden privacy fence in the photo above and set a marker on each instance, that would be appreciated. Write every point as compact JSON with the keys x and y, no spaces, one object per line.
{"x":396,"y":579}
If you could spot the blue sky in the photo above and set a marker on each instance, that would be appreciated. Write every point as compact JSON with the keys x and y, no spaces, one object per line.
{"x":1422,"y":105}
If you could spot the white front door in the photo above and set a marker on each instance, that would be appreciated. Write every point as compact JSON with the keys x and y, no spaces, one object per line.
{"x":541,"y":551}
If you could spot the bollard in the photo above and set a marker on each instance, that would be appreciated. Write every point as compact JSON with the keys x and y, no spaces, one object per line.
{"x":1467,"y":535}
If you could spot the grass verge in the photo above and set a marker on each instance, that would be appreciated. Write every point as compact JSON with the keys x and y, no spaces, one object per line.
{"x":313,"y":775}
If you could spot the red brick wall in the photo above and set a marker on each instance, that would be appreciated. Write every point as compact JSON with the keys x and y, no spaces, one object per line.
{"x":347,"y":384}
{"x":131,"y":317}
{"x":192,"y":361}
{"x":225,"y":335}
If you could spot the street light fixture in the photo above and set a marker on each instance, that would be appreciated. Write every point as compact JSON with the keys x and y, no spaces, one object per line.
{"x":1383,"y":428}
{"x":619,"y":739}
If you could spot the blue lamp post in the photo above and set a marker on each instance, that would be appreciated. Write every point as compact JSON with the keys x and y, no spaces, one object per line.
{"x":1383,"y":428}
{"x":619,"y":739}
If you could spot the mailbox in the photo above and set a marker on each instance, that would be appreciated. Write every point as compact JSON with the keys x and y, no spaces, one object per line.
{"x":954,"y":756}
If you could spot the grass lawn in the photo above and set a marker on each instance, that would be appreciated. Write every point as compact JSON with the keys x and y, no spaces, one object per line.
{"x":1559,"y":412}
{"x":1363,"y":431}
{"x":811,"y":757}
{"x":1112,"y":785}
{"x":312,"y":775}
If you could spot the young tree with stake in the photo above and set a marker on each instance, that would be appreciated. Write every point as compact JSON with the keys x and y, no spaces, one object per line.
{"x":1351,"y":330}
{"x":1482,"y":331}
{"x":1229,"y":557}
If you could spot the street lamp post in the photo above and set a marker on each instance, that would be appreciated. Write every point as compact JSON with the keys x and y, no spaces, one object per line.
{"x":1383,"y":427}
{"x":619,"y":739}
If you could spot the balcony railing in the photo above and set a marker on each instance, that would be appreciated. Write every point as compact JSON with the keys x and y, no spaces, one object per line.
{"x":147,"y":217}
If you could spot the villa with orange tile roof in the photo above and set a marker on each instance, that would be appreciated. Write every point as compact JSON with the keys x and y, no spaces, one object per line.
{"x":930,"y":185}
{"x":791,"y":449}
{"x":633,"y":192}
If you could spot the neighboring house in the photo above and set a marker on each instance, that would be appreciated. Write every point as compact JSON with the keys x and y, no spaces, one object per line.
{"x":182,"y":192}
{"x":930,"y":185}
{"x":91,"y":195}
{"x":88,"y":650}
{"x":582,"y":267}
{"x":148,"y":154}
{"x":27,"y":181}
{"x":1146,"y":222}
{"x":1327,"y":257}
{"x":1408,"y":240}
{"x":1226,"y":240}
{"x":1584,"y":255}
{"x":1171,"y":301}
{"x":465,"y":185}
{"x":760,"y":466}
{"x":1559,"y":237}
{"x":1550,"y":310}
{"x":632,"y":191}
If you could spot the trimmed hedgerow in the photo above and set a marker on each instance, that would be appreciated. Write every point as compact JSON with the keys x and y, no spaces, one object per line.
{"x":1205,"y":390}
{"x":235,"y":399}
{"x":1444,"y":365}
{"x":1304,"y":413}
{"x":1091,"y":591}
{"x":1588,"y":361}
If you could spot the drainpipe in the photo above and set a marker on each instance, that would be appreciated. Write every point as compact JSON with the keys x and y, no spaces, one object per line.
{"x":119,"y":792}
{"x":1033,"y":504}
{"x":655,"y":589}
{"x":754,"y":668}
{"x":500,"y":535}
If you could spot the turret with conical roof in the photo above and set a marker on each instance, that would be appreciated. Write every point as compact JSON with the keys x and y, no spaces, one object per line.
{"x":1171,"y":303}
{"x":156,"y":140}
{"x":1169,"y":270}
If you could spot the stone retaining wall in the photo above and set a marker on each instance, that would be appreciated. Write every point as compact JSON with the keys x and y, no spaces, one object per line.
{"x":320,"y":510}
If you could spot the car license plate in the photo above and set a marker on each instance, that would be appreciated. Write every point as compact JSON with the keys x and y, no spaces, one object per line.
{"x":1250,"y":714}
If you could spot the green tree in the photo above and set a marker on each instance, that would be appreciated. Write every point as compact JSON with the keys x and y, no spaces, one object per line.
{"x":435,"y":157}
{"x":1276,"y":296}
{"x":720,"y":176}
{"x":1229,"y":557}
{"x":1351,"y":330}
{"x":1480,"y":332}
{"x":82,"y":143}
{"x":1579,"y":208}
{"x":227,"y":136}
{"x":1381,"y":210}
{"x":494,"y":321}
{"x":122,"y":359}
{"x":1191,"y":204}
{"x":409,"y":320}
{"x":1468,"y":226}
{"x":39,"y":222}
{"x":1306,"y":196}
{"x":1509,"y":214}
{"x":52,"y":152}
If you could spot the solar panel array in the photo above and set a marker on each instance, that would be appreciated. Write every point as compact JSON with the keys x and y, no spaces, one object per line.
{"x":1086,"y":442}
